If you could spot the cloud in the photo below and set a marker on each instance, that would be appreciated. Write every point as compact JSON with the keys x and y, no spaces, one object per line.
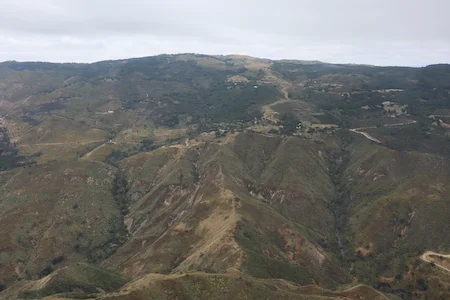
{"x":383,"y":32}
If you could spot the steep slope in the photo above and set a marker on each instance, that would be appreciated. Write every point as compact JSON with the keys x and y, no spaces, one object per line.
{"x":201,"y":207}
{"x":408,"y":187}
{"x":55,"y":214}
{"x":397,"y":207}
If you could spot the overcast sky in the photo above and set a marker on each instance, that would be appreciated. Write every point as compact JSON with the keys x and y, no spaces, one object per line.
{"x":381,"y":32}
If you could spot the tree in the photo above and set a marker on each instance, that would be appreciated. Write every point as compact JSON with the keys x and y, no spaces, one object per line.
{"x":147,"y":145}
{"x":289,"y":122}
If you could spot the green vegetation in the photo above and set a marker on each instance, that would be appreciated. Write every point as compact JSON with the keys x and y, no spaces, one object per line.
{"x":119,"y":191}
{"x":289,"y":123}
{"x":420,"y":137}
{"x":115,"y":157}
{"x":259,"y":265}
{"x":9,"y":157}
{"x":79,"y":281}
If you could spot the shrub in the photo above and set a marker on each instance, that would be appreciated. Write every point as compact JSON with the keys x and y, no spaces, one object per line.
{"x":58,"y":259}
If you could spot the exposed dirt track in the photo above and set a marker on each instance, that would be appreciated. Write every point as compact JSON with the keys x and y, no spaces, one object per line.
{"x":83,"y":143}
{"x":90,"y":153}
{"x":382,"y":296}
{"x":425,"y":256}
{"x":368,"y":136}
{"x":65,"y":143}
{"x":268,"y":112}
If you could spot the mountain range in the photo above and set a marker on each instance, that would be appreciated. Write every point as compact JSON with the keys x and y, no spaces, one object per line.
{"x":224,"y":177}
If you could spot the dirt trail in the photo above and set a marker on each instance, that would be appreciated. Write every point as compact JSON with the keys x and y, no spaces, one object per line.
{"x":268,"y":112}
{"x":368,"y":136}
{"x":356,"y":287}
{"x":148,"y":279}
{"x":65,"y":143}
{"x":105,"y":141}
{"x":425,"y":256}
{"x":90,"y":153}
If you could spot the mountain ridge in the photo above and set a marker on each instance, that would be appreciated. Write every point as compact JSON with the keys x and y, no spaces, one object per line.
{"x":295,"y":61}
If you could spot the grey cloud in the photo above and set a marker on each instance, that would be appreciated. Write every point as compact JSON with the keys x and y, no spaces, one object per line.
{"x":385,"y":32}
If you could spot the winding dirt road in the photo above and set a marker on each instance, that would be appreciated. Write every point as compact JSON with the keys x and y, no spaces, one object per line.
{"x":426,"y":255}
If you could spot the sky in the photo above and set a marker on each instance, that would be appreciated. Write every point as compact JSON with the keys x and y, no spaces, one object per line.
{"x":378,"y":32}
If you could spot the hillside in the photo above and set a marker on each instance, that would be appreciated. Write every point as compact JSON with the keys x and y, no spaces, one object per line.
{"x":194,"y":176}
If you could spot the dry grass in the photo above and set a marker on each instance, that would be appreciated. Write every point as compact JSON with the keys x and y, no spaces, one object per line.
{"x":238,"y":79}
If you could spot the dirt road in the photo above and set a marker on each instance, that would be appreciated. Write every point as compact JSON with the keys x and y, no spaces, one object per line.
{"x":268,"y":112}
{"x":381,"y":295}
{"x":65,"y":143}
{"x":425,"y":256}
{"x":368,"y":136}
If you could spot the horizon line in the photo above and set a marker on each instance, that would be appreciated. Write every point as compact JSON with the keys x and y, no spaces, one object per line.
{"x":218,"y":55}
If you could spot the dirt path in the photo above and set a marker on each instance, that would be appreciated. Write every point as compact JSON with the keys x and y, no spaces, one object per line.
{"x":368,"y":136}
{"x":268,"y":112}
{"x":356,"y":287}
{"x":425,"y":256}
{"x":12,"y":178}
{"x":400,"y":124}
{"x":25,"y":101}
{"x":65,"y":143}
{"x":90,"y":153}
